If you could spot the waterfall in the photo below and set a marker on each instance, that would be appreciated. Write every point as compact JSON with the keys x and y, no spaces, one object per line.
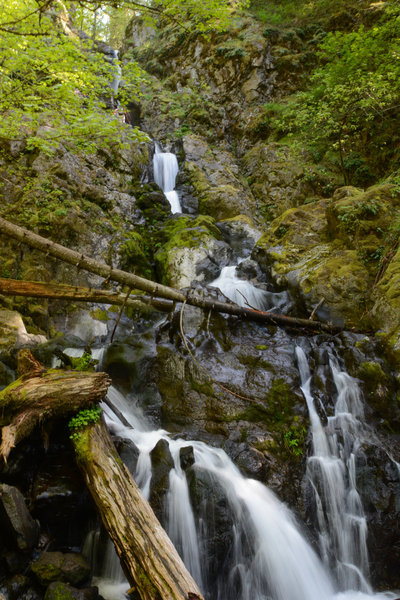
{"x":244,"y":293}
{"x":331,"y":473}
{"x":165,"y":165}
{"x":268,"y":558}
{"x":265,"y":556}
{"x":114,"y":85}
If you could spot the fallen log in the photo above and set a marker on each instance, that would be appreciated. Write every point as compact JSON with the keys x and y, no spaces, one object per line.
{"x":40,"y":395}
{"x":154,"y":289}
{"x":149,"y":560}
{"x":60,"y":291}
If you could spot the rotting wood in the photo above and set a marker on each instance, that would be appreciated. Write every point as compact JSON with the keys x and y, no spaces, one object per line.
{"x":40,"y":395}
{"x":149,"y":560}
{"x":155,"y":289}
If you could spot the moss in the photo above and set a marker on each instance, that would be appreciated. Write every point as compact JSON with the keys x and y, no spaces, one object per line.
{"x":372,"y":373}
{"x":99,"y":314}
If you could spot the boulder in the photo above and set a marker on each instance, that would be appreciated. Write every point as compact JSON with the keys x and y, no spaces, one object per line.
{"x":192,"y":251}
{"x":17,"y":528}
{"x":63,"y":591}
{"x":56,"y":566}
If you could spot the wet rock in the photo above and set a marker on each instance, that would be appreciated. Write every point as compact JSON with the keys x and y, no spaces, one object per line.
{"x":58,"y":589}
{"x":17,"y":528}
{"x":56,"y":566}
{"x":162,"y":464}
{"x":21,"y":587}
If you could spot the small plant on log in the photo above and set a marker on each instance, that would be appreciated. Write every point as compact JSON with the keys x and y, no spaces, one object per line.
{"x":82,"y":419}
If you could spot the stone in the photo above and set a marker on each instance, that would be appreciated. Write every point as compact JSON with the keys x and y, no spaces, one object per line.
{"x":17,"y":527}
{"x":59,"y":590}
{"x":56,"y":566}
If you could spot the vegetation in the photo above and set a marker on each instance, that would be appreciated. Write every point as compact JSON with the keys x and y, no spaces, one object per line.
{"x":55,"y":86}
{"x":82,"y":419}
{"x":351,"y":103}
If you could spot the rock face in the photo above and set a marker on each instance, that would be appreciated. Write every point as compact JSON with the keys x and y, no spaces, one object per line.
{"x":214,"y":176}
{"x":331,"y":250}
{"x":17,"y":528}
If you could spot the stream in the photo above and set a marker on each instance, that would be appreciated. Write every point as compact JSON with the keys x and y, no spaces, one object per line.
{"x":238,"y":540}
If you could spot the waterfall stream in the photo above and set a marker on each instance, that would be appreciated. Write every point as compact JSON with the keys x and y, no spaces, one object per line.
{"x":331,"y":472}
{"x":165,"y":165}
{"x":267,"y":556}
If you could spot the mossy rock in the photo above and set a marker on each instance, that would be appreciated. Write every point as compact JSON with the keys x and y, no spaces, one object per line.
{"x":187,"y":242}
{"x":56,"y":566}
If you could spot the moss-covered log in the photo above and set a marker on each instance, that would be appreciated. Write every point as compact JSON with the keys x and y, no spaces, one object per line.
{"x":40,"y":395}
{"x":150,"y":562}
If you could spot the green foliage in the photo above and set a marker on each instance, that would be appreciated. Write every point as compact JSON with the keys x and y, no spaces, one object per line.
{"x":82,"y":419}
{"x":52,"y":83}
{"x":84,"y":362}
{"x":294,"y":439}
{"x":353,"y":95}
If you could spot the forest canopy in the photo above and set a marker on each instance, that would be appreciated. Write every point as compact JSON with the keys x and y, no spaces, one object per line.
{"x":55,"y":86}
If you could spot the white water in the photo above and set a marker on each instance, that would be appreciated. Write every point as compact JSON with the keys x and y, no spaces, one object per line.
{"x":165,"y":165}
{"x":244,"y":293}
{"x":331,"y":472}
{"x":269,"y":557}
{"x":117,"y":73}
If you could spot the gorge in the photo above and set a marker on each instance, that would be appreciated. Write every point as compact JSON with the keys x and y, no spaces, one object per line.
{"x":270,"y":454}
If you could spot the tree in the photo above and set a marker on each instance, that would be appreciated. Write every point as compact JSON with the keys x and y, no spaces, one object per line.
{"x":354,"y":93}
{"x":54,"y":86}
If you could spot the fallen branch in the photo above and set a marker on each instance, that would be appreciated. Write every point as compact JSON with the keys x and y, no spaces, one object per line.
{"x":155,"y":289}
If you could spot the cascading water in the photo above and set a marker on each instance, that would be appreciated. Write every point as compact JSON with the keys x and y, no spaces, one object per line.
{"x":268,"y":557}
{"x":165,"y":165}
{"x":331,"y":472}
{"x":265,"y":556}
{"x":117,"y":73}
{"x":244,"y":293}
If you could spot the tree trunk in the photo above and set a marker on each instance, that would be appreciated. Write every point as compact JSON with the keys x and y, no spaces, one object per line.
{"x":40,"y":395}
{"x":155,"y":289}
{"x":59,"y":291}
{"x":148,"y":557}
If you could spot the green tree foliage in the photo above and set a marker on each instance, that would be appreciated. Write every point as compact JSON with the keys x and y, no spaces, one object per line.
{"x":54,"y":86}
{"x":353,"y":98}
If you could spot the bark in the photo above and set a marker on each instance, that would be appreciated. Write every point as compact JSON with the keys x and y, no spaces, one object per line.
{"x":58,"y":291}
{"x":155,"y":289}
{"x":150,"y":561}
{"x":40,"y":395}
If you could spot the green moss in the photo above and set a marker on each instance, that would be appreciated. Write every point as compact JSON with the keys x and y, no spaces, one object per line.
{"x":372,"y":373}
{"x":99,"y":314}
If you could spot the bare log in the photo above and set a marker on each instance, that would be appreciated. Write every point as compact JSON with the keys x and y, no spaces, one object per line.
{"x":41,"y":395}
{"x":155,"y":289}
{"x":148,"y":557}
{"x":60,"y":291}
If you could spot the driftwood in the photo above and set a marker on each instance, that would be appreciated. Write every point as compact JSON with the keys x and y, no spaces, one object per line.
{"x":154,"y":289}
{"x":40,"y":395}
{"x":150,"y":561}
